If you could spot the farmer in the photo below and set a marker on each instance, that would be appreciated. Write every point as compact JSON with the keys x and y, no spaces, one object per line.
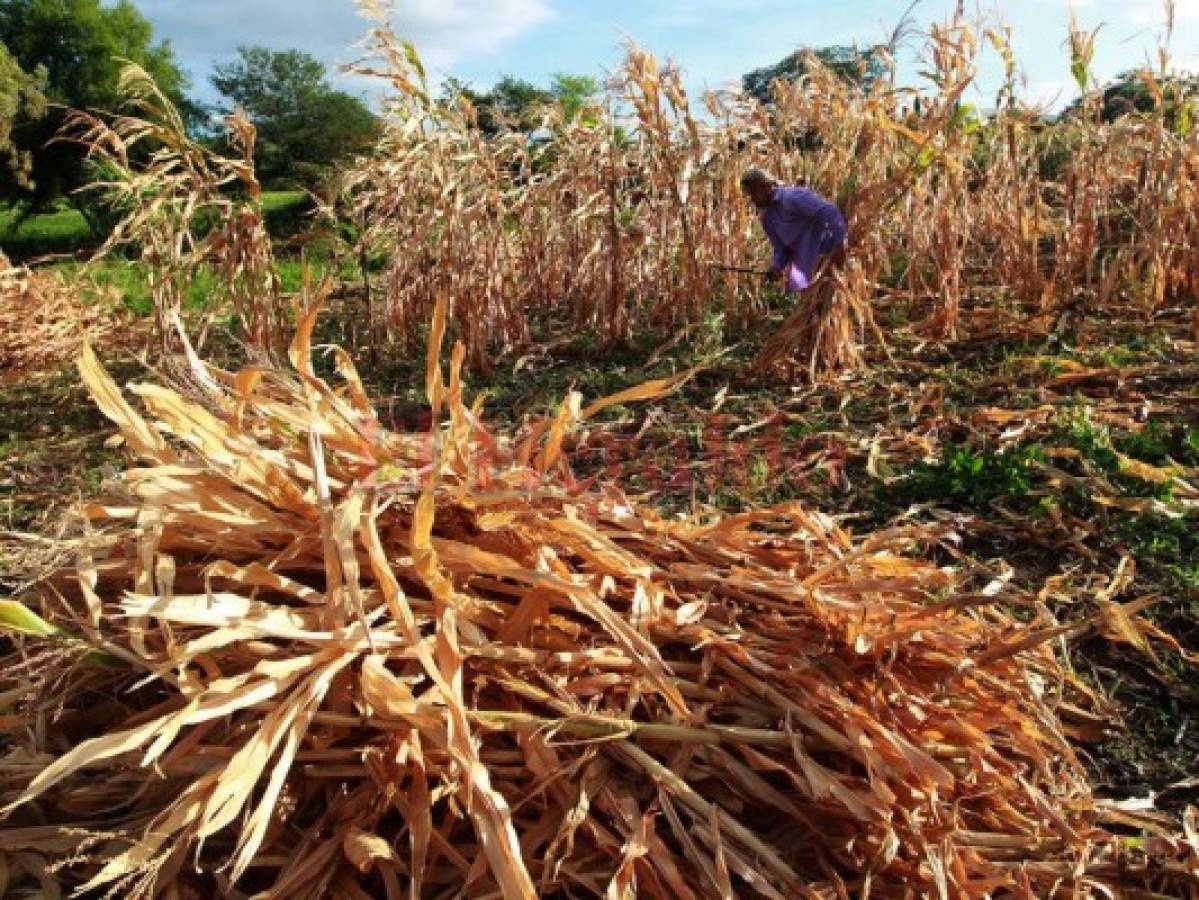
{"x":802,"y":226}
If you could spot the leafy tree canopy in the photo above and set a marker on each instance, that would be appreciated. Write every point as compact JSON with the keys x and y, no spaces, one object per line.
{"x":574,"y":93}
{"x":22,"y":104}
{"x":517,"y":98}
{"x":514,"y":103}
{"x":1131,"y":92}
{"x":305,"y":125}
{"x":860,"y":67}
{"x":79,"y":45}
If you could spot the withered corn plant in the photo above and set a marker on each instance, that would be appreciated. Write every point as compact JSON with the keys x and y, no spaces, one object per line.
{"x":1123,"y":215}
{"x":1011,"y":214}
{"x":943,"y":238}
{"x":603,"y":222}
{"x":305,"y":657}
{"x":435,"y":198}
{"x":185,"y":208}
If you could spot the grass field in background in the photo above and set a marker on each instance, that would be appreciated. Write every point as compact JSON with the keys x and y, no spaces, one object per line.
{"x":66,"y":231}
{"x":62,"y":231}
{"x":129,"y":279}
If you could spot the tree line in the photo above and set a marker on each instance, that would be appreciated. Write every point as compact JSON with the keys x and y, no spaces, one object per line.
{"x":59,"y":55}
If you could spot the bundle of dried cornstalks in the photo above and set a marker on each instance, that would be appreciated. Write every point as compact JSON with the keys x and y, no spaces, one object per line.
{"x":331,"y":660}
{"x":44,"y":321}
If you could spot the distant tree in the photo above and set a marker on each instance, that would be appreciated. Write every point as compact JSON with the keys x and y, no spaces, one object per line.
{"x":511,"y":104}
{"x":454,"y":89}
{"x":22,"y":105}
{"x":80,"y":45}
{"x":574,"y":93}
{"x":305,"y":125}
{"x":859,"y":67}
{"x":516,"y":104}
{"x":1130,"y":93}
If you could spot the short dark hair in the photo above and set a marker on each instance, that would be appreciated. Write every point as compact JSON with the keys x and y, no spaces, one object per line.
{"x":754,"y":176}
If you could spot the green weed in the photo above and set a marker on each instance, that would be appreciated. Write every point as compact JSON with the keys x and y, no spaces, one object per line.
{"x":969,"y":476}
{"x":1160,"y":444}
{"x":1098,"y":447}
{"x":797,"y":430}
{"x":1167,"y":547}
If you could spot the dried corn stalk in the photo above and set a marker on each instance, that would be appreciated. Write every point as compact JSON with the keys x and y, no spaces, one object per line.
{"x":185,"y":207}
{"x":613,"y":221}
{"x":44,"y":321}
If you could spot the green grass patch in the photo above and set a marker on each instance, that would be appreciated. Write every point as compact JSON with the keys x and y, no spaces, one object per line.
{"x":126,"y":278}
{"x":291,"y":271}
{"x":275,"y":201}
{"x":65,"y":230}
{"x":968,"y":476}
{"x":129,"y":281}
{"x":1164,"y":545}
{"x":286,"y":213}
{"x":1167,"y":547}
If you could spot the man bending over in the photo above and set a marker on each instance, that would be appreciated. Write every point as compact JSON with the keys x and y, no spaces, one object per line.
{"x":803,"y":227}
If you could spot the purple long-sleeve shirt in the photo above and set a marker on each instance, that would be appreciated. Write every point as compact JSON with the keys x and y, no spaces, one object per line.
{"x":802,"y":227}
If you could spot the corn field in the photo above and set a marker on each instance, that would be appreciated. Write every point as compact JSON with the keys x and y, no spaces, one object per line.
{"x":621,"y":217}
{"x":617,"y":219}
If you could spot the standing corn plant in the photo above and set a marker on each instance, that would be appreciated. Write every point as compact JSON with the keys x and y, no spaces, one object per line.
{"x":186,"y":208}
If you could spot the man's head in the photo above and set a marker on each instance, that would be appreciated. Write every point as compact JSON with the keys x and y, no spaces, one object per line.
{"x":758,"y":185}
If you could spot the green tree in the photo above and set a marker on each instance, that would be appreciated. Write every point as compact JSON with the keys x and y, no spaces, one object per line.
{"x":509,"y":104}
{"x":516,"y":104}
{"x":305,"y":126}
{"x":574,"y":93}
{"x":22,"y":105}
{"x":1130,"y":93}
{"x":80,"y":45}
{"x":860,"y":67}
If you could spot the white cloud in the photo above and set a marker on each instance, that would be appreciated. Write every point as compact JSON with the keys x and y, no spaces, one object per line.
{"x":1153,"y":12}
{"x":445,"y":31}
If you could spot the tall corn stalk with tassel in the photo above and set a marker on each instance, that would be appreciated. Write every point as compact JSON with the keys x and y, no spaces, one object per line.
{"x":186,"y":208}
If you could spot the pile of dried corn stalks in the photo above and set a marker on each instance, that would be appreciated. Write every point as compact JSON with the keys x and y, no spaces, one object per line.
{"x":43,"y":321}
{"x":329,"y":660}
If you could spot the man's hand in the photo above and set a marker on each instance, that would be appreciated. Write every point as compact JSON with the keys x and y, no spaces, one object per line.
{"x":838,"y":257}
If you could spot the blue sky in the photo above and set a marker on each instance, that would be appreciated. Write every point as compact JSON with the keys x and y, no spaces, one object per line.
{"x":714,"y":41}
